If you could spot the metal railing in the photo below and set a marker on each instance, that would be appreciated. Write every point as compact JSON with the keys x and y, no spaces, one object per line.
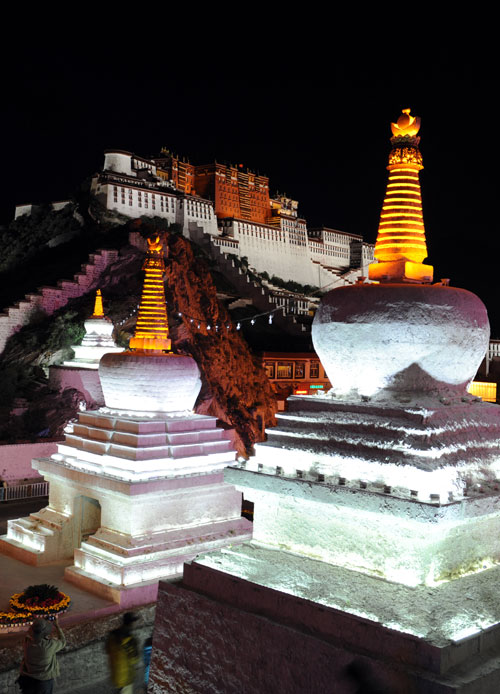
{"x":24,"y":491}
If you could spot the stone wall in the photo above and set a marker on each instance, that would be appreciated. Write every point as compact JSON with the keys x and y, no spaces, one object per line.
{"x":201,"y":645}
{"x":50,"y":299}
{"x":15,"y":460}
{"x":84,"y":380}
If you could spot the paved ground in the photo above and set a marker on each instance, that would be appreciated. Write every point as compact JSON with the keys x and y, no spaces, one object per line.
{"x":16,"y":576}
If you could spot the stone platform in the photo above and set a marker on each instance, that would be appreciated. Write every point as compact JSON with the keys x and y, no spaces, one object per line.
{"x":387,"y":534}
{"x":280,"y":622}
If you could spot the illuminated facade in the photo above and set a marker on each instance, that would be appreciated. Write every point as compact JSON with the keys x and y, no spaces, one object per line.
{"x":294,"y":373}
{"x":233,"y":206}
{"x":136,"y":488}
{"x":376,"y":506}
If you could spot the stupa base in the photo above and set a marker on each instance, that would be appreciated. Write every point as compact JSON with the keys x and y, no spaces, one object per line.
{"x":125,"y":596}
{"x":132,"y":579}
{"x":385,"y":534}
{"x":252,"y":606}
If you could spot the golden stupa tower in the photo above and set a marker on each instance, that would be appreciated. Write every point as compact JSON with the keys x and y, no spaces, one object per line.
{"x":98,"y":308}
{"x":151,"y":331}
{"x":400,"y":247}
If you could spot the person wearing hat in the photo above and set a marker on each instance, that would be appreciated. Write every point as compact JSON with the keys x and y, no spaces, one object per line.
{"x":123,"y":654}
{"x":39,"y":666}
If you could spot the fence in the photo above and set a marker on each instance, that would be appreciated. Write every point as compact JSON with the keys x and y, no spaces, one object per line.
{"x":24,"y":491}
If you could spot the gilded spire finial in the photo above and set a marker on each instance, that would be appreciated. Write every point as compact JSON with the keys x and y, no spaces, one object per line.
{"x":401,"y":246}
{"x":151,"y":330}
{"x":98,"y":309}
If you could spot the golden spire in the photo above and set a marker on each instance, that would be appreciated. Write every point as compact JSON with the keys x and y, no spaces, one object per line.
{"x":98,"y":310}
{"x":151,"y":330}
{"x":400,"y":247}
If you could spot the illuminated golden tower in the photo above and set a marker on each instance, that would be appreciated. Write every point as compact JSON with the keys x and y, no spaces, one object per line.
{"x":151,"y":330}
{"x":98,"y":310}
{"x":400,"y":247}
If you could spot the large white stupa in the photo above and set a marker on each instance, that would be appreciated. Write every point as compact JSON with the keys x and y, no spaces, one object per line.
{"x":137,"y":488}
{"x":376,"y":507}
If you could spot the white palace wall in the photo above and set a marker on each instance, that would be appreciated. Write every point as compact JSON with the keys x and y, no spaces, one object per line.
{"x":290,"y":254}
{"x":138,"y":201}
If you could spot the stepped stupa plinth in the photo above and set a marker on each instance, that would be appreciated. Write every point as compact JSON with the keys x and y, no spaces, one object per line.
{"x":376,"y":535}
{"x":137,"y":488}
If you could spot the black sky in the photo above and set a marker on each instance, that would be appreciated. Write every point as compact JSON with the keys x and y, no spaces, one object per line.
{"x":318,"y":127}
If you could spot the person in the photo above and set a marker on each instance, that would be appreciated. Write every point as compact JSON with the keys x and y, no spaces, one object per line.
{"x":39,"y":666}
{"x":123,"y":654}
{"x":146,"y":656}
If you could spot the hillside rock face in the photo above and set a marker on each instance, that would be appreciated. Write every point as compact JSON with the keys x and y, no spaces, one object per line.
{"x":235,"y":387}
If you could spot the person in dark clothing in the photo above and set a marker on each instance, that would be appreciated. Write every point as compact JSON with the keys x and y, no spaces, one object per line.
{"x":39,"y":666}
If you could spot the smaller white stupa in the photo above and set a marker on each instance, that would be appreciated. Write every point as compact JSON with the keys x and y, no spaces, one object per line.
{"x":81,"y":372}
{"x":98,"y":339}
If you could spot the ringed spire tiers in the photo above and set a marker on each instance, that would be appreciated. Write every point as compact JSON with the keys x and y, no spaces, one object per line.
{"x":151,"y":331}
{"x":98,"y":308}
{"x":401,"y":247}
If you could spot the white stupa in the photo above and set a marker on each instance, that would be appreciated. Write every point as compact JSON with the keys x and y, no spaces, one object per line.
{"x":137,"y":488}
{"x":97,"y":341}
{"x":81,"y":372}
{"x":376,"y":507}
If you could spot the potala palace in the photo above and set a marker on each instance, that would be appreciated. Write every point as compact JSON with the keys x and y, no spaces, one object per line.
{"x":233,"y":206}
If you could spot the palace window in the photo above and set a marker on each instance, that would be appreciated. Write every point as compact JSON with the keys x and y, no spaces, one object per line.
{"x":300,"y":369}
{"x":285,"y":369}
{"x":314,"y":369}
{"x":269,"y":367}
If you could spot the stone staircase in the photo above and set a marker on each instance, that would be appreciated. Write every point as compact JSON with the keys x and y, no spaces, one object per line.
{"x":38,"y":536}
{"x":51,"y":299}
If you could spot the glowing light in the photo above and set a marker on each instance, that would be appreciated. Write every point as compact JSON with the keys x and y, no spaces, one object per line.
{"x":401,"y":247}
{"x":98,"y":309}
{"x":151,"y":331}
{"x":406,"y":125}
{"x":484,"y":390}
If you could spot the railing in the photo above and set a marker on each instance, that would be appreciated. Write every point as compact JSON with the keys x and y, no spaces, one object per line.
{"x":24,"y":491}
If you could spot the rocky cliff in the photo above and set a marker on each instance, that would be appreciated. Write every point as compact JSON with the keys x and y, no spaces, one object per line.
{"x":235,"y":387}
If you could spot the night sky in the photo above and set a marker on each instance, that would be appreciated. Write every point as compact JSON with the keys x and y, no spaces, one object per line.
{"x":320,"y":132}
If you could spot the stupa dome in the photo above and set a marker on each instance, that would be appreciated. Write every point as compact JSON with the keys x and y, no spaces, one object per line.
{"x":149,"y":382}
{"x":102,"y":327}
{"x":383,"y":338}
